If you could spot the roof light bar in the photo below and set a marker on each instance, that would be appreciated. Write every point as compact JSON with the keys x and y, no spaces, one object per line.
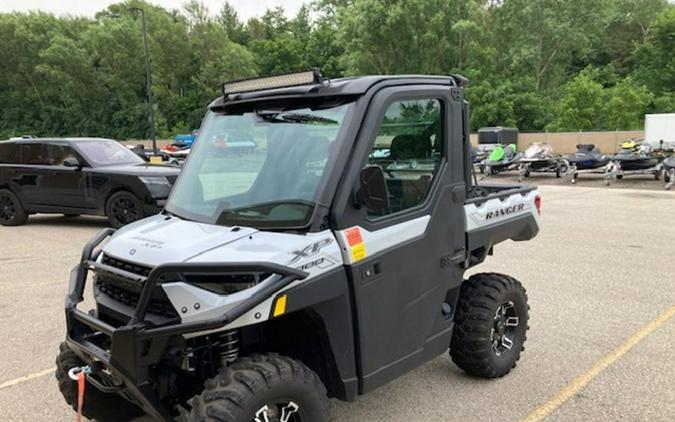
{"x":309,"y":77}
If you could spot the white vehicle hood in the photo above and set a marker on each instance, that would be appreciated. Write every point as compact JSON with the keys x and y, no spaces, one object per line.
{"x":158,"y":240}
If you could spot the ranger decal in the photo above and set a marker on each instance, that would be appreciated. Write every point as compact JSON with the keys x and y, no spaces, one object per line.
{"x":503,"y":212}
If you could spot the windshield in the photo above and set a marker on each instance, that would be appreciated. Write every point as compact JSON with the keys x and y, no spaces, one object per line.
{"x":107,"y":153}
{"x":261,"y":168}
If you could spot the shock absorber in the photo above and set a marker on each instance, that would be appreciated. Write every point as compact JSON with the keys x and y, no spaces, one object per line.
{"x":227,"y":346}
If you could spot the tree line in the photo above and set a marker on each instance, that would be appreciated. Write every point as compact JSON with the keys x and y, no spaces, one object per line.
{"x":555,"y":65}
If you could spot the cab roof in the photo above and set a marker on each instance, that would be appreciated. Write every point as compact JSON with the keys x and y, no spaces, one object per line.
{"x":349,"y":86}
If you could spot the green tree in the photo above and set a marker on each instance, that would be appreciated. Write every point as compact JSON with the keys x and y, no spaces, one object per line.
{"x":582,"y":104}
{"x":626,"y":105}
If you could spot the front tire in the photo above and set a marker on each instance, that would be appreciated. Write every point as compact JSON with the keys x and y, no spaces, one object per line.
{"x":490,"y":325}
{"x":98,"y":405}
{"x":261,"y":388}
{"x":123,"y":208}
{"x":12,"y":212}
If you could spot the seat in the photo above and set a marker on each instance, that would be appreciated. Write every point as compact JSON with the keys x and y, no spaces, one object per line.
{"x":410,"y":147}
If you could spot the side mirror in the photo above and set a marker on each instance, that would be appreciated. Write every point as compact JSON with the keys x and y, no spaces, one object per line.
{"x":373,"y":193}
{"x":72,"y":162}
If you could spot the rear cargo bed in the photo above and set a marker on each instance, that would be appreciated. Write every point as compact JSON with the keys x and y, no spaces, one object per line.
{"x":494,"y":213}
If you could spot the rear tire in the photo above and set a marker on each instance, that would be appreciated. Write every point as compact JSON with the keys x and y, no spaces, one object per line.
{"x":123,"y":208}
{"x":98,"y":405}
{"x":12,"y":212}
{"x":490,"y":325}
{"x":262,"y":385}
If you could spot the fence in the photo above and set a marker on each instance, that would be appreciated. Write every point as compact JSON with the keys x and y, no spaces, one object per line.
{"x":565,"y":142}
{"x":562,"y":142}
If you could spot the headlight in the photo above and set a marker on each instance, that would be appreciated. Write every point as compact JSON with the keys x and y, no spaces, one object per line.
{"x":159,"y":186}
{"x":155,"y":180}
{"x":225,"y":284}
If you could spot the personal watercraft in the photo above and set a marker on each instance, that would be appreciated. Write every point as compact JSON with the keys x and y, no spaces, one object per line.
{"x":587,"y":159}
{"x":633,"y":158}
{"x":502,"y":158}
{"x":539,"y":158}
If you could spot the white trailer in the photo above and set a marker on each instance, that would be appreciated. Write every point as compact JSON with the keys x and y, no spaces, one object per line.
{"x":660,"y":127}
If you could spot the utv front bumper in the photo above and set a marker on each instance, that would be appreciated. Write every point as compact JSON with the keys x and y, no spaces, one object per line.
{"x":122,"y":356}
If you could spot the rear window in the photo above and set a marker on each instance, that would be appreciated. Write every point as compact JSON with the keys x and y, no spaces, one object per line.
{"x":8,"y":153}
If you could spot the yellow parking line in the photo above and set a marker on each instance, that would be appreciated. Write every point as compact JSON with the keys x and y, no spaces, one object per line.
{"x":25,"y":378}
{"x":582,"y":380}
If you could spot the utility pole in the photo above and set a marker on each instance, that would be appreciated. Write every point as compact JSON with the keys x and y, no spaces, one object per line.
{"x":148,"y":80}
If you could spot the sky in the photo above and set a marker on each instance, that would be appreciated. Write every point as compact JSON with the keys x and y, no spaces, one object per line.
{"x":245,"y":8}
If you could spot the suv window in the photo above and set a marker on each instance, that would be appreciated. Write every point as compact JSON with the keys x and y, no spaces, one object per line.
{"x":32,"y":153}
{"x":9,"y":153}
{"x":409,"y":148}
{"x":56,"y":154}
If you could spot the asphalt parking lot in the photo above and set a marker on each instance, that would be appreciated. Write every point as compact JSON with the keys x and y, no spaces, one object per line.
{"x":600,"y":278}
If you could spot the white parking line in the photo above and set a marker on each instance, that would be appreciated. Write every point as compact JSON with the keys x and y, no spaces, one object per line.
{"x":25,"y":378}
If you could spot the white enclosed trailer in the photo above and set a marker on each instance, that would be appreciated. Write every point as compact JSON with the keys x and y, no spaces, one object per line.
{"x":660,"y":127}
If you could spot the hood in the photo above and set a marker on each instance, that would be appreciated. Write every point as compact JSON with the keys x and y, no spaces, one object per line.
{"x":160,"y":239}
{"x":140,"y":170}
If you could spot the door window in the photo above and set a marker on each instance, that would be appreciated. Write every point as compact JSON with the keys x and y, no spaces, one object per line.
{"x":33,"y":154}
{"x":409,"y":148}
{"x":57,"y":154}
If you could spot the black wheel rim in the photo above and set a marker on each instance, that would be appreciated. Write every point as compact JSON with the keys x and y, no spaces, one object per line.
{"x":7,"y":207}
{"x":279,"y":411}
{"x":506,"y":323}
{"x":124,"y":210}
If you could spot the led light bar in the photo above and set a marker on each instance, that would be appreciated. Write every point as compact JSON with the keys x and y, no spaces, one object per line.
{"x":309,"y":77}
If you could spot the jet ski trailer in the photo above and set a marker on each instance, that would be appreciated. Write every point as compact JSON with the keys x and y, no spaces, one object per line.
{"x":668,"y":171}
{"x":539,"y":158}
{"x":586,"y":160}
{"x":632,"y":159}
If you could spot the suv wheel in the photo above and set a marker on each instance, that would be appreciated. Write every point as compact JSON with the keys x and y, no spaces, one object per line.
{"x":262,"y":388}
{"x":12,"y":212}
{"x":98,"y":405}
{"x":490,"y":325}
{"x":123,"y":208}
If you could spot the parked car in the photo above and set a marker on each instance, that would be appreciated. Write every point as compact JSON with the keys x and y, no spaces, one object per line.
{"x":74,"y":176}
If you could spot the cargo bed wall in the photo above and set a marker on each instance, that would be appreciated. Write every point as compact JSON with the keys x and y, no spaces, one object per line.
{"x":506,"y":212}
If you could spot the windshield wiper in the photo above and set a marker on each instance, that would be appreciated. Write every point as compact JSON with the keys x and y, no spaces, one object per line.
{"x":280,"y":117}
{"x":306,"y":118}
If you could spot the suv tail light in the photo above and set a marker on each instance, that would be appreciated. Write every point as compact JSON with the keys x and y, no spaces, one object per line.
{"x":537,"y":203}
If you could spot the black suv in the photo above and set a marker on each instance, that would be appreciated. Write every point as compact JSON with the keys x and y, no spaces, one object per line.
{"x":74,"y":176}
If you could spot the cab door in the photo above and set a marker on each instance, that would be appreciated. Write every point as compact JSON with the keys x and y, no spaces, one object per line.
{"x":404,"y":262}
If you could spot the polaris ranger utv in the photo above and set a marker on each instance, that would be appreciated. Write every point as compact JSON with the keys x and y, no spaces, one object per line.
{"x":326,"y":263}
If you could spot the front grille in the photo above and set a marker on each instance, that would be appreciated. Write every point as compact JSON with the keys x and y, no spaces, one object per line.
{"x":127,"y":291}
{"x":126,"y":266}
{"x":129,"y":298}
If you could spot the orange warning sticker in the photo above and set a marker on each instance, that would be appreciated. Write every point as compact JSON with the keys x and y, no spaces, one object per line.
{"x":353,"y":236}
